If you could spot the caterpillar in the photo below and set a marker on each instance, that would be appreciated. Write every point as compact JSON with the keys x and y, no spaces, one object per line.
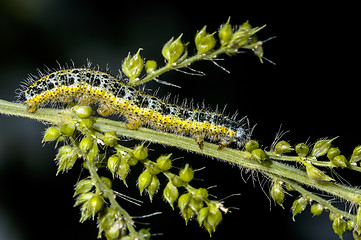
{"x":113,"y":96}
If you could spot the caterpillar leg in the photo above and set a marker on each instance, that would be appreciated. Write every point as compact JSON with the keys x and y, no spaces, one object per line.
{"x":133,"y":124}
{"x":199,"y":140}
{"x":105,"y":111}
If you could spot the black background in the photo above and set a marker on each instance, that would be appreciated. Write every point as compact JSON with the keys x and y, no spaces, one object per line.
{"x":312,"y":91}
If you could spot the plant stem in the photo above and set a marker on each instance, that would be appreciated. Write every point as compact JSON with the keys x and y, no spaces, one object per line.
{"x":233,"y":156}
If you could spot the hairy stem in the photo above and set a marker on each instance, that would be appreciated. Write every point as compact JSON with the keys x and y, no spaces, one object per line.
{"x":233,"y":156}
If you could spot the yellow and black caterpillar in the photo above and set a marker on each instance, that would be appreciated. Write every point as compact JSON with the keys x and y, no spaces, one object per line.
{"x":89,"y":86}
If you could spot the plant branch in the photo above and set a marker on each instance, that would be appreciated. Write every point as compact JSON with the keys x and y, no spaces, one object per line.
{"x":233,"y":156}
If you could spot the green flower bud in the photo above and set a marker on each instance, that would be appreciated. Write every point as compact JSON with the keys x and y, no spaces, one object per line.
{"x":93,"y":153}
{"x":129,"y":159}
{"x":123,"y":169}
{"x":164,"y":162}
{"x":186,"y":174}
{"x":204,"y":41}
{"x":113,"y":163}
{"x":144,"y":179}
{"x":251,"y":145}
{"x":201,"y":194}
{"x":153,"y":187}
{"x":110,"y":139}
{"x":133,"y":66}
{"x":225,"y":33}
{"x":150,"y":66}
{"x":283,"y":147}
{"x":277,"y":193}
{"x":333,"y":152}
{"x":66,"y":158}
{"x":177,"y":181}
{"x":152,"y":167}
{"x":298,"y":206}
{"x":316,"y":209}
{"x":173,"y":50}
{"x":106,"y":220}
{"x":321,"y":147}
{"x":184,"y":201}
{"x":86,"y":144}
{"x":316,"y":174}
{"x":259,"y":155}
{"x":115,"y":230}
{"x":196,"y":205}
{"x":85,"y":124}
{"x":339,"y":161}
{"x":202,"y":215}
{"x":107,"y":181}
{"x":339,"y":226}
{"x":51,"y":134}
{"x":170,"y":193}
{"x":302,"y":149}
{"x":83,"y":111}
{"x":213,"y":219}
{"x":67,"y":129}
{"x":350,"y":225}
{"x":140,"y":152}
{"x":96,"y":203}
{"x":82,"y":198}
{"x":83,"y":186}
{"x":356,"y":155}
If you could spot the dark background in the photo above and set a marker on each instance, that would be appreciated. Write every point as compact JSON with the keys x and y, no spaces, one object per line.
{"x":312,"y":91}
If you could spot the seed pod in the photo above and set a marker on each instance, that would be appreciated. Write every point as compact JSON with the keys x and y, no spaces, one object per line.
{"x":150,"y":66}
{"x":225,"y":33}
{"x":82,"y":198}
{"x":164,"y":162}
{"x":133,"y":66}
{"x":298,"y":206}
{"x":213,"y":219}
{"x":83,"y":186}
{"x":106,"y":220}
{"x":86,"y":144}
{"x":184,"y":201}
{"x":123,"y":170}
{"x":259,"y":155}
{"x":283,"y":147}
{"x":339,"y":161}
{"x":356,"y":155}
{"x":186,"y":174}
{"x":140,"y":152}
{"x":110,"y":139}
{"x":177,"y":181}
{"x":153,"y":187}
{"x":66,"y":158}
{"x":204,"y":41}
{"x":86,"y":124}
{"x":302,"y":149}
{"x":93,"y":153}
{"x":83,"y":111}
{"x":113,"y":163}
{"x":170,"y":193}
{"x":107,"y":181}
{"x":51,"y":134}
{"x":196,"y":205}
{"x":144,"y":179}
{"x":67,"y":129}
{"x":277,"y":193}
{"x":201,"y":194}
{"x":202,"y":215}
{"x":152,"y":167}
{"x":173,"y":50}
{"x":251,"y":145}
{"x":339,"y":226}
{"x":95,"y":203}
{"x":321,"y":147}
{"x":316,"y":174}
{"x":333,"y":152}
{"x":316,"y":209}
